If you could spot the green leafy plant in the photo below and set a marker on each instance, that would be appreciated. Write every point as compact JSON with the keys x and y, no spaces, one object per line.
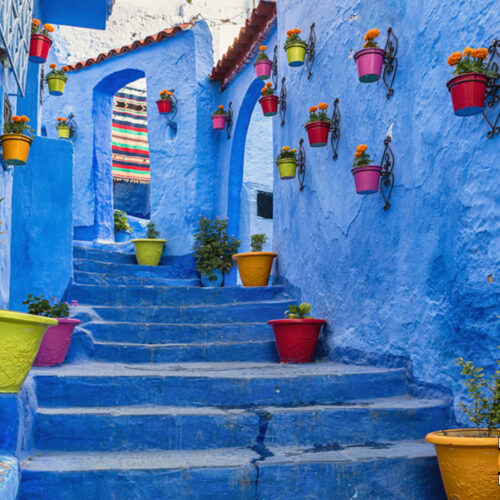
{"x":121,"y":222}
{"x":292,"y":37}
{"x":471,"y":61}
{"x":318,"y":113}
{"x":257,"y":242}
{"x":361,"y":157}
{"x":299,"y":311}
{"x":151,"y":232}
{"x":286,"y":152}
{"x":262,"y":56}
{"x":267,"y":89}
{"x":213,"y":248}
{"x":220,"y":110}
{"x":52,"y":308}
{"x":484,"y":410}
{"x":18,"y":125}
{"x":61,"y":123}
{"x":57,"y":72}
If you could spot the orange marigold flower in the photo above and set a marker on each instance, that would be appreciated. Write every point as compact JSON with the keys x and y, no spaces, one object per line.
{"x":454,"y":58}
{"x":467,"y":51}
{"x":289,"y":33}
{"x":16,"y":118}
{"x":65,"y":68}
{"x":480,"y":54}
{"x":285,"y":148}
{"x":297,"y":31}
{"x":313,"y":109}
{"x":361,"y":148}
{"x":53,"y":66}
{"x":371,"y":34}
{"x":163,"y":92}
{"x":24,"y":118}
{"x":36,"y":22}
{"x":269,"y":84}
{"x":294,"y":150}
{"x":64,"y":119}
{"x":323,"y":106}
{"x":263,"y":90}
{"x":49,"y":27}
{"x":263,"y":48}
{"x":357,"y":154}
{"x":221,"y":106}
{"x":169,"y":93}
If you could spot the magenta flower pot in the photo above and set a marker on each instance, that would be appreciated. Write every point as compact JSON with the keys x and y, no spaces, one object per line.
{"x":219,"y":122}
{"x":369,"y":62}
{"x":367,"y":178}
{"x":263,"y":69}
{"x":468,"y":93}
{"x":55,"y":343}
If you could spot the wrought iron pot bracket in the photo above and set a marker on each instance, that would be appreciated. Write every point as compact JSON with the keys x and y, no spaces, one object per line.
{"x":173,"y":110}
{"x":311,"y":51}
{"x":387,"y":175}
{"x":274,"y":67}
{"x":72,"y":126}
{"x":282,"y":101}
{"x":335,"y":129}
{"x":390,"y":62}
{"x":229,"y":119}
{"x":301,"y":164}
{"x":493,"y":89}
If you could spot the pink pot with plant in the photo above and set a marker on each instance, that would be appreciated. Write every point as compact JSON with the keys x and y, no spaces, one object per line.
{"x":370,"y":58}
{"x":262,"y":64}
{"x":219,"y":118}
{"x":366,"y":174}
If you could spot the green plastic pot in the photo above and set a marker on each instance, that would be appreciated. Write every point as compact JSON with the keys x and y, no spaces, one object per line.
{"x":56,"y":85}
{"x":148,"y":251}
{"x":287,"y":168}
{"x":63,"y":132}
{"x":20,"y":338}
{"x":296,"y":54}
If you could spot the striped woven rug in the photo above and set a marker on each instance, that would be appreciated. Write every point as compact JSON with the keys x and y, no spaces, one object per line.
{"x":130,"y":148}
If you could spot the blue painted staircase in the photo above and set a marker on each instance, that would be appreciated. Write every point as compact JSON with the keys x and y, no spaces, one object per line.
{"x":174,"y":392}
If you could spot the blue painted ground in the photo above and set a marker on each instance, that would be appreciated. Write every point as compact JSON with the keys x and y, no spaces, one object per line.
{"x":174,"y":391}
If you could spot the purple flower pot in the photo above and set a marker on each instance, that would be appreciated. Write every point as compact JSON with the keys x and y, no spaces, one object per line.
{"x":367,"y":178}
{"x":369,"y":62}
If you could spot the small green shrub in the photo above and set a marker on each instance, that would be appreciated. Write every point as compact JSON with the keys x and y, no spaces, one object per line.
{"x":53,"y":308}
{"x":257,"y":242}
{"x":298,"y":311}
{"x":151,"y":232}
{"x":121,"y":222}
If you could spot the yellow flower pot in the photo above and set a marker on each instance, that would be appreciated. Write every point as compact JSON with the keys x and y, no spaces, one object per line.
{"x":15,"y":148}
{"x":296,"y":54}
{"x":287,"y":168}
{"x":468,"y":464}
{"x":20,"y":338}
{"x":56,"y":84}
{"x":255,"y":267}
{"x":148,"y":251}
{"x":63,"y":132}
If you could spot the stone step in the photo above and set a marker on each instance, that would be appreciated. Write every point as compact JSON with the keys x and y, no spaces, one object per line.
{"x":226,"y":385}
{"x":404,"y":469}
{"x":177,"y":428}
{"x":85,"y":278}
{"x":102,"y":255}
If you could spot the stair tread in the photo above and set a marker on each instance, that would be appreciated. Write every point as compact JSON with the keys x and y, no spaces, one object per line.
{"x":180,"y":344}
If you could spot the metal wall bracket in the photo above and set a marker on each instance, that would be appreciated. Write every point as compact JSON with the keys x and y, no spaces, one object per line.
{"x":229,"y":119}
{"x":282,"y":101}
{"x":390,"y":62}
{"x":301,"y":165}
{"x":493,"y":89}
{"x":387,"y":175}
{"x":72,"y":126}
{"x":311,"y":51}
{"x":274,"y":67}
{"x":335,"y":128}
{"x":173,"y":110}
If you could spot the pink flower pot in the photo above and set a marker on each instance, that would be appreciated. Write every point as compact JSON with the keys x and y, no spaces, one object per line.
{"x":219,"y":122}
{"x":263,"y":69}
{"x":367,"y":178}
{"x":55,"y":343}
{"x":164,"y":106}
{"x":369,"y":62}
{"x":317,"y":133}
{"x":468,"y":92}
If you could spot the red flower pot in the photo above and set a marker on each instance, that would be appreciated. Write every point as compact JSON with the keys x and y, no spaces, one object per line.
{"x":296,"y":339}
{"x":164,"y":106}
{"x":263,"y":69}
{"x":318,"y":133}
{"x":269,"y":105}
{"x":367,"y":178}
{"x":468,"y":92}
{"x":369,"y":62}
{"x":39,"y":48}
{"x":219,"y":122}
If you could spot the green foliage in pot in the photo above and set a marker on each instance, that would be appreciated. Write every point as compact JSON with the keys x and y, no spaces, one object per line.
{"x":213,"y":247}
{"x":257,"y":242}
{"x":361,"y":157}
{"x":121,"y":222}
{"x":267,"y":90}
{"x":53,"y":308}
{"x":18,"y":125}
{"x":61,"y":73}
{"x":318,"y":113}
{"x":262,"y":56}
{"x":299,"y":311}
{"x":220,"y":110}
{"x":152,"y":233}
{"x":292,"y":37}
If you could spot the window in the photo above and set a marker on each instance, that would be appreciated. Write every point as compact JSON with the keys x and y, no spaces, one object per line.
{"x":264,"y":205}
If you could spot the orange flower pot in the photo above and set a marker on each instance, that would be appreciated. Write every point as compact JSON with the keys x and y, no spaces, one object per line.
{"x":255,"y":267}
{"x":15,"y":148}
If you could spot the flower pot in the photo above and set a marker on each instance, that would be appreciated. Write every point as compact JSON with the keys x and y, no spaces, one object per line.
{"x":255,"y":267}
{"x":367,"y":178}
{"x":56,"y":84}
{"x":296,"y":339}
{"x":15,"y":148}
{"x":218,"y":282}
{"x":39,"y":48}
{"x":468,"y":92}
{"x":369,"y":62}
{"x":63,"y":132}
{"x":55,"y":343}
{"x":122,"y":236}
{"x":269,"y":105}
{"x":468,"y":464}
{"x":318,"y":133}
{"x":296,"y":54}
{"x":20,"y":338}
{"x":263,"y":69}
{"x":148,"y":251}
{"x":287,"y":168}
{"x":219,"y":122}
{"x":164,"y":106}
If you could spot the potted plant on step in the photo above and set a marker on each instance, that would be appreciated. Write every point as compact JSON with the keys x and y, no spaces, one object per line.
{"x":287,"y":162}
{"x":366,"y":174}
{"x":213,"y":251}
{"x":56,"y":79}
{"x":148,"y":250}
{"x":63,"y":129}
{"x":318,"y":125}
{"x":297,"y":335}
{"x":57,"y":339}
{"x":295,"y":48}
{"x":268,"y":101}
{"x":370,"y":58}
{"x":219,"y":118}
{"x":468,"y":458}
{"x":40,"y":41}
{"x":165,"y":102}
{"x":468,"y":88}
{"x":16,"y":140}
{"x":122,"y":227}
{"x":262,"y":64}
{"x":255,"y":266}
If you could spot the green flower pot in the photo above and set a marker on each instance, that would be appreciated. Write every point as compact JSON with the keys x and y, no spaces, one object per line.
{"x":296,"y":54}
{"x":287,"y":168}
{"x":56,"y":84}
{"x":20,"y":338}
{"x":63,"y":132}
{"x":148,"y":251}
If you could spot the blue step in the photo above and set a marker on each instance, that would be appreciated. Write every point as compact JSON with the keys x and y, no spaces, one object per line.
{"x":84,"y":278}
{"x":80,"y":252}
{"x":404,"y":469}
{"x":225,"y":385}
{"x":184,"y":428}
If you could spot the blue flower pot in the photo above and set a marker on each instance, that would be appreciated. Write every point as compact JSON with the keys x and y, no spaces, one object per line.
{"x":122,"y":236}
{"x":205,"y":282}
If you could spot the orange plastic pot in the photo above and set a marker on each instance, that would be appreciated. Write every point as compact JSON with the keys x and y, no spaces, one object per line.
{"x":255,"y":267}
{"x":15,"y":148}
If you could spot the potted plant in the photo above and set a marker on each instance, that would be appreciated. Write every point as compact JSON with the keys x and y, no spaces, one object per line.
{"x":63,"y":129}
{"x":255,"y":266}
{"x":219,"y":118}
{"x":287,"y":162}
{"x":370,"y":58}
{"x":295,"y":48}
{"x":56,"y":79}
{"x":366,"y":174}
{"x":122,"y":227}
{"x":19,"y":343}
{"x":213,"y":251}
{"x":318,"y":125}
{"x":268,"y":101}
{"x":148,"y":250}
{"x":56,"y":341}
{"x":468,"y":88}
{"x":16,"y":140}
{"x":165,"y":102}
{"x":468,"y":458}
{"x":297,"y":335}
{"x":262,"y":64}
{"x":40,"y":41}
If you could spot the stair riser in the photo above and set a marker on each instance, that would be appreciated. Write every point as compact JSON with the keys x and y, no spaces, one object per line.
{"x":83,"y":278}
